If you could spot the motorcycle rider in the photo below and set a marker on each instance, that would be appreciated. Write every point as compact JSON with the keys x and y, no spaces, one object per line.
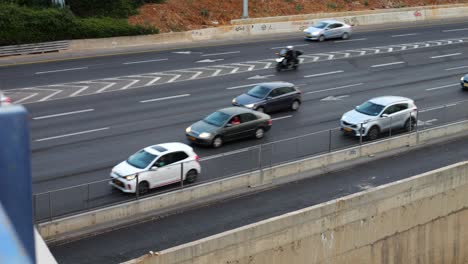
{"x":291,"y":55}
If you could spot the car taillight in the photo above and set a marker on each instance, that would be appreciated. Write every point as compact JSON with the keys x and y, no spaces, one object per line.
{"x":7,"y":99}
{"x":270,"y":122}
{"x":197,"y":158}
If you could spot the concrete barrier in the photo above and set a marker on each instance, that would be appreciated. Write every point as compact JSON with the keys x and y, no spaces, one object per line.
{"x":422,"y":219}
{"x":89,"y":222}
{"x":275,"y":25}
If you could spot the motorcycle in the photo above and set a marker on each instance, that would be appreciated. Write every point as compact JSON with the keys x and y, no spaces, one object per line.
{"x":281,"y":62}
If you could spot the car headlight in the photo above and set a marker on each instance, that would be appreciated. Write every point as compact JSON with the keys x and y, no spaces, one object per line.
{"x":234,"y":100}
{"x":462,"y":79}
{"x":188,"y":129}
{"x":250,"y":105}
{"x":205,"y":135}
{"x":315,"y":33}
{"x":130,"y":177}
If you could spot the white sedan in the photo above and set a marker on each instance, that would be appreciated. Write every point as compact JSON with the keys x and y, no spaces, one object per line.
{"x":328,"y":29}
{"x":156,"y":166}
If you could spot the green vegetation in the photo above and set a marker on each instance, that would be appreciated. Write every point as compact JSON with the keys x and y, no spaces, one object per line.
{"x":20,"y":25}
{"x":32,"y":21}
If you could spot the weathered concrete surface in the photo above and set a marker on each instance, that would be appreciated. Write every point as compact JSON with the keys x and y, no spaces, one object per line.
{"x":101,"y":219}
{"x":423,"y":219}
{"x":275,"y":25}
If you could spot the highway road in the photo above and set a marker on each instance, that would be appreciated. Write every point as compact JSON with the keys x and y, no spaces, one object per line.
{"x":183,"y":227}
{"x":89,"y":114}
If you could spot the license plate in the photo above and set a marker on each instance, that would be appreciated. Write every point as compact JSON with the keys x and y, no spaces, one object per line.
{"x":192,"y":138}
{"x":347,"y":129}
{"x":465,"y":84}
{"x":309,"y":35}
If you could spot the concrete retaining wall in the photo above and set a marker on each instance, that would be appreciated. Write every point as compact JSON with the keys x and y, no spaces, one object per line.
{"x":89,"y":222}
{"x":275,"y":25}
{"x":423,"y":219}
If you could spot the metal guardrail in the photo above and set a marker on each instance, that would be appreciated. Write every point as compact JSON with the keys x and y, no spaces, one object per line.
{"x":34,"y":48}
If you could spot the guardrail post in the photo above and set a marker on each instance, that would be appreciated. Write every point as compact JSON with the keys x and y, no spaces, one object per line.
{"x":137,"y":187}
{"x":181,"y":175}
{"x":87,"y":196}
{"x":260,"y":157}
{"x":329,"y":140}
{"x":360,"y":134}
{"x":50,"y":208}
{"x":417,"y":126}
{"x":391,"y":123}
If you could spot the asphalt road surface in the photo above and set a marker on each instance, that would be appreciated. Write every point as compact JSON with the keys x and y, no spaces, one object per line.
{"x":184,"y":227}
{"x":78,"y":138}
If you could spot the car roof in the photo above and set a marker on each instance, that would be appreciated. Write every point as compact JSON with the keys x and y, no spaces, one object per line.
{"x":235,"y":110}
{"x":273,"y":85}
{"x":331,"y":21}
{"x":164,"y":148}
{"x":386,"y":100}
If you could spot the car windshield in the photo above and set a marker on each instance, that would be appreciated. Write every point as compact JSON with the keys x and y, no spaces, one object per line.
{"x":217,"y":118}
{"x":369,"y":108}
{"x":258,"y":91}
{"x":141,"y":159}
{"x":321,"y":25}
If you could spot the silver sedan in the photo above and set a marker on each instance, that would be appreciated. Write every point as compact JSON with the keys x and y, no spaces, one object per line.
{"x":328,"y":29}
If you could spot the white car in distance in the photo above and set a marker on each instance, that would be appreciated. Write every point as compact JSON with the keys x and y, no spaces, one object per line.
{"x":156,"y":166}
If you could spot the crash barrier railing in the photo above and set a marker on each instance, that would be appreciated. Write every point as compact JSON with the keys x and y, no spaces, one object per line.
{"x":33,"y":48}
{"x":76,"y":199}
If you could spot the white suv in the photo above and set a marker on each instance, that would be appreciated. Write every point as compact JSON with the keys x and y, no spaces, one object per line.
{"x":156,"y":166}
{"x":378,"y":115}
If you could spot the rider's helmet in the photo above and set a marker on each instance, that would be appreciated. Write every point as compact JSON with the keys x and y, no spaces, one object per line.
{"x":290,"y":47}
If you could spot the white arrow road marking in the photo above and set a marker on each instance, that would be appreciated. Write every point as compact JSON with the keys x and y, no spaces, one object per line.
{"x":63,"y":114}
{"x":346,"y":54}
{"x":132,"y":81}
{"x":446,"y":55}
{"x":164,"y":98}
{"x":62,"y":70}
{"x":25,"y":98}
{"x":428,"y":122}
{"x":197,"y":73}
{"x":109,"y":84}
{"x":457,"y":29}
{"x":315,"y":58}
{"x":301,"y":45}
{"x":216,"y":54}
{"x":145,"y":61}
{"x":322,"y":74}
{"x":336,"y":88}
{"x":330,"y":56}
{"x":79,"y":91}
{"x":186,"y":52}
{"x":251,"y":67}
{"x":47,"y":97}
{"x":242,"y":86}
{"x":282,"y":117}
{"x":235,"y":69}
{"x":334,"y":98}
{"x":209,"y":60}
{"x":374,"y":50}
{"x":349,"y":40}
{"x":73,"y":134}
{"x":442,"y":87}
{"x":387,"y":64}
{"x":456,"y":68}
{"x":405,"y":35}
{"x":260,"y":77}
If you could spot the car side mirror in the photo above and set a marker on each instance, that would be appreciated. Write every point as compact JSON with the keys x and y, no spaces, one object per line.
{"x":228,"y":125}
{"x":154,"y":168}
{"x":384,"y":115}
{"x":327,"y":29}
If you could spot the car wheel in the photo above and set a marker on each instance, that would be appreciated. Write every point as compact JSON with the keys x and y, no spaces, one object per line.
{"x":191,"y":176}
{"x":295,"y":105}
{"x":321,"y":38}
{"x":373,"y":133}
{"x":217,"y":142}
{"x":143,"y":187}
{"x":410,"y":124}
{"x":259,"y":133}
{"x":260,"y":109}
{"x":345,"y":36}
{"x":278,"y":67}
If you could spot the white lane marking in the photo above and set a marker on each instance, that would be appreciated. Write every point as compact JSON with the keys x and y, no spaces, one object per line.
{"x":165,"y":98}
{"x":334,"y":98}
{"x":223,"y":53}
{"x":335,"y":88}
{"x":349,"y":40}
{"x":73,"y":134}
{"x":209,"y":60}
{"x":446,"y":55}
{"x":456,"y":68}
{"x":457,"y":29}
{"x":301,"y":45}
{"x":62,"y":70}
{"x":241,"y":86}
{"x":145,"y":61}
{"x":63,"y":114}
{"x":387,"y":64}
{"x":282,"y":117}
{"x":322,"y":74}
{"x":25,"y":98}
{"x":405,"y":35}
{"x":442,"y":87}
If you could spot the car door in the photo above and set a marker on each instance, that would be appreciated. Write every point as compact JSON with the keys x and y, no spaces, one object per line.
{"x":328,"y":32}
{"x":179,"y":161}
{"x":287,"y":97}
{"x":399,"y":117}
{"x":337,"y":30}
{"x":165,"y":171}
{"x":386,"y":121}
{"x":249,"y":123}
{"x":274,"y":100}
{"x":232,"y":131}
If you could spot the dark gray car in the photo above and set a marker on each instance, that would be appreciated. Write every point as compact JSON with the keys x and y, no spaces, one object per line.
{"x":228,"y":124}
{"x":464,"y":82}
{"x":270,"y":97}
